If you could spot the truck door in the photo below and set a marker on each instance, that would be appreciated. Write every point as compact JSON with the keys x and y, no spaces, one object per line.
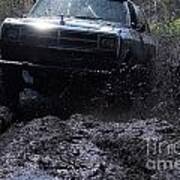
{"x":138,"y":45}
{"x":147,"y":39}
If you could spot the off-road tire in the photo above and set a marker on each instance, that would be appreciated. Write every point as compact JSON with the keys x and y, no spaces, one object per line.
{"x":10,"y":87}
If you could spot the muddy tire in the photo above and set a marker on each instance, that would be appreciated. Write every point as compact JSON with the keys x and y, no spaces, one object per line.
{"x":10,"y":87}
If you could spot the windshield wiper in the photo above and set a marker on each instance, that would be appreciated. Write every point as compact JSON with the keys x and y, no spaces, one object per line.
{"x":88,"y":17}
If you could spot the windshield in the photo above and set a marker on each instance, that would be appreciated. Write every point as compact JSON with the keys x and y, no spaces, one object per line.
{"x":110,"y":10}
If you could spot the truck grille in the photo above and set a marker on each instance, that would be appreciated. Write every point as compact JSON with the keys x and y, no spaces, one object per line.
{"x":74,"y":39}
{"x":58,"y":38}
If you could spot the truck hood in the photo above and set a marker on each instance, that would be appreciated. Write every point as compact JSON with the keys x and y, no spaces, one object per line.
{"x":69,"y":23}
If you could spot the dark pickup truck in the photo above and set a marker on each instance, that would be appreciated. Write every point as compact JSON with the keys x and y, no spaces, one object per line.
{"x":58,"y":38}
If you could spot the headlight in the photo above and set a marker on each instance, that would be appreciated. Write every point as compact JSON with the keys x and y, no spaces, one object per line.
{"x":108,"y":43}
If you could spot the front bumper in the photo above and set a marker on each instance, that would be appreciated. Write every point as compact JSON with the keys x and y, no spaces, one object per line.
{"x":73,"y":60}
{"x":24,"y":65}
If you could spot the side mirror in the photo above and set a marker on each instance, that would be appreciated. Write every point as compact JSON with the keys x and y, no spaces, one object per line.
{"x":23,"y":16}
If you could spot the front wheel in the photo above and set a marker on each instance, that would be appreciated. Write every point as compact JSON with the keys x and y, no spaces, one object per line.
{"x":10,"y":87}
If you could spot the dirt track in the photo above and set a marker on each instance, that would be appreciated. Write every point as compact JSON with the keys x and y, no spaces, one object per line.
{"x":98,"y":146}
{"x":82,"y":147}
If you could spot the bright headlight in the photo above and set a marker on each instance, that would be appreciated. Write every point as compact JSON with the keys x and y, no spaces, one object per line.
{"x":108,"y":43}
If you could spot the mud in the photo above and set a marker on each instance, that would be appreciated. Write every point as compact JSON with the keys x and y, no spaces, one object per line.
{"x":82,"y":147}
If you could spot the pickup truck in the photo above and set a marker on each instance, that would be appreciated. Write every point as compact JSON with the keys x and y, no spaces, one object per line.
{"x":108,"y":41}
